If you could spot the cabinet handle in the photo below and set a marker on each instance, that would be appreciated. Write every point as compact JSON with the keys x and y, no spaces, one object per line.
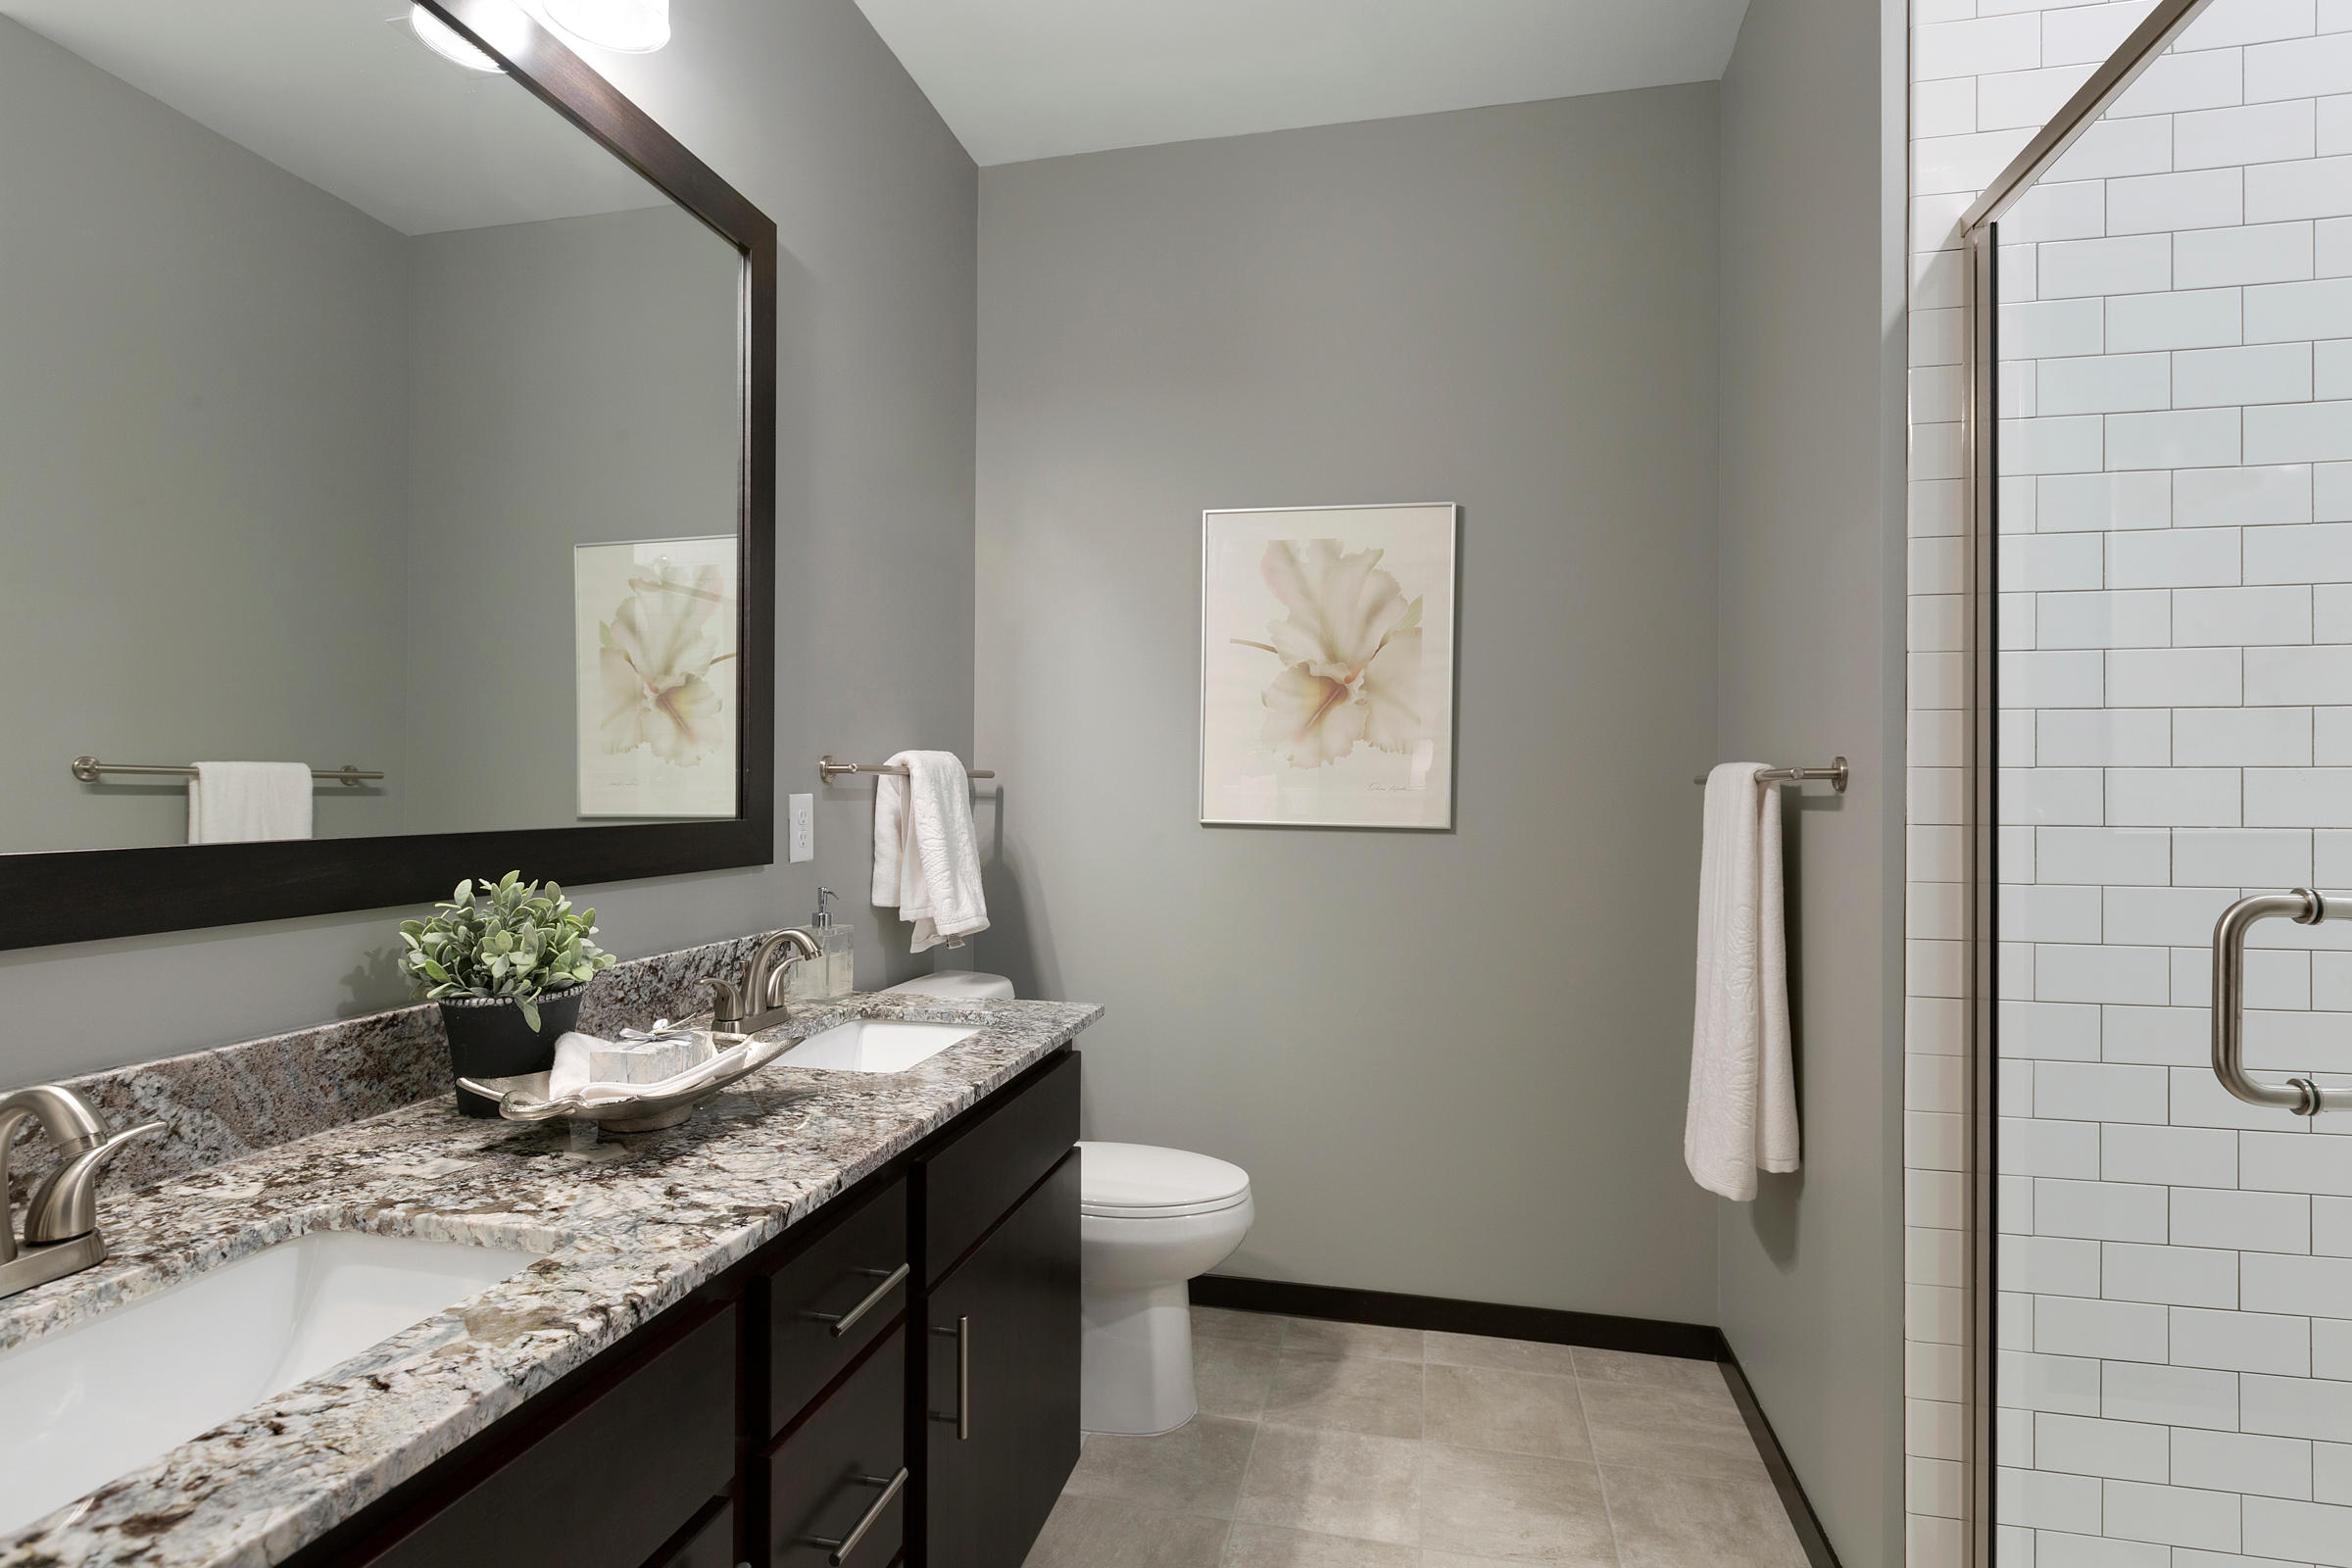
{"x":963,"y":1379}
{"x":891,"y":1487}
{"x":843,"y":1322}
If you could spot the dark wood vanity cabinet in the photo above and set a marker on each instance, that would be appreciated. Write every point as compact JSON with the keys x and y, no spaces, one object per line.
{"x":894,"y":1382}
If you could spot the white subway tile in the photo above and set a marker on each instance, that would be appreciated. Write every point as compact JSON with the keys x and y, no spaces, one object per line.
{"x":2321,"y":187}
{"x":2063,"y":1031}
{"x":2100,"y":737}
{"x":2087,"y":33}
{"x":2332,"y":247}
{"x":2335,"y":125}
{"x":2100,"y":1211}
{"x":2071,"y":503}
{"x":2332,"y":492}
{"x":2070,"y":797}
{"x":2269,"y":1222}
{"x":2104,"y":857}
{"x":2049,"y":1264}
{"x":2031,"y":1147}
{"x":2164,"y":1036}
{"x":2331,"y":986}
{"x":2056,"y":1549}
{"x":2199,"y":1100}
{"x":1937,"y":681}
{"x":2180,"y":1276}
{"x":2294,"y":312}
{"x":1976,"y":48}
{"x":2298,"y":797}
{"x":2079,"y":1445}
{"x":2142,"y":618}
{"x":1943,"y":107}
{"x":2100,"y":1091}
{"x":2180,"y":1396}
{"x":2157,"y":205}
{"x":2258,"y":133}
{"x":2214,"y":616}
{"x":2186,"y":438}
{"x":2172,"y":797}
{"x":2211,"y":498}
{"x":2307,"y":1532}
{"x":1936,"y":795}
{"x":2331,"y":1225}
{"x":2300,"y":1407}
{"x":2050,"y":328}
{"x":2167,"y":558}
{"x":2203,"y":78}
{"x":2043,"y":1500}
{"x":2331,"y":1473}
{"x":2267,"y":253}
{"x":2332,"y":1357}
{"x":2182,"y":1157}
{"x":1939,"y":623}
{"x":2242,"y":737}
{"x":2056,"y":210}
{"x":2301,"y":68}
{"x":2298,"y":1162}
{"x":2241,"y":1342}
{"x":2331,"y":369}
{"x":2181,"y":1516}
{"x":2121,"y":1331}
{"x":2109,"y":383}
{"x":2063,"y":679}
{"x":2294,"y":433}
{"x":2177,"y":677}
{"x":2061,"y":445}
{"x":1964,"y":162}
{"x":2064,"y":972}
{"x":2241,"y":858}
{"x":2187,"y":318}
{"x":2306,"y":552}
{"x":2247,"y":22}
{"x":2113,"y":149}
{"x":2233,"y":1461}
{"x":2267,"y":372}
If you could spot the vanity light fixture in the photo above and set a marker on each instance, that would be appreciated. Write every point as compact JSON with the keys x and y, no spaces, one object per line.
{"x":447,"y":42}
{"x":625,"y":26}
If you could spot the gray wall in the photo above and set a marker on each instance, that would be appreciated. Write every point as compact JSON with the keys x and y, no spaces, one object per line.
{"x":202,"y":438}
{"x":803,"y":108}
{"x":1451,"y":1063}
{"x":523,"y":443}
{"x":1809,"y":663}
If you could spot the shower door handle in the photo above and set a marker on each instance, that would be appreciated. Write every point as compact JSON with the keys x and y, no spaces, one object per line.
{"x":2304,"y":906}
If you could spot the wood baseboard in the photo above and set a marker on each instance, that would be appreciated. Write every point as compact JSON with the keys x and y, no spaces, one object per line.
{"x":1601,"y":1331}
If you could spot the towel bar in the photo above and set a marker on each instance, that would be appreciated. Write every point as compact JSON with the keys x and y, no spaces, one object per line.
{"x":1836,"y":773}
{"x":829,"y":771}
{"x":89,"y":770}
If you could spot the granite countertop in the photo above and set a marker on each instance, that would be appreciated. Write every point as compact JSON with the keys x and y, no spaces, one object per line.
{"x":627,"y":1226}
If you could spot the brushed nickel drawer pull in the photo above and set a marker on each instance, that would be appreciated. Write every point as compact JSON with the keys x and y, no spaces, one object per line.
{"x":843,"y":1322}
{"x":891,"y":1487}
{"x":963,"y":1380}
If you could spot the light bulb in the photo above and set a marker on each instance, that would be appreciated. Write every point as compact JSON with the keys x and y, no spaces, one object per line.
{"x":626,"y":26}
{"x":447,"y":42}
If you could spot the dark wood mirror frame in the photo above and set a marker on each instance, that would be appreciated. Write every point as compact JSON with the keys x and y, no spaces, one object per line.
{"x":77,"y":896}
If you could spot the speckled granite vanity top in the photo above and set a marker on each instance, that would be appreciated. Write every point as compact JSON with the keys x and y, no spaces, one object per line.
{"x":628,"y":1226}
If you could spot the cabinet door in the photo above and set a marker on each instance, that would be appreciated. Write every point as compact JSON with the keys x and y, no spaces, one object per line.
{"x":1001,"y":1355}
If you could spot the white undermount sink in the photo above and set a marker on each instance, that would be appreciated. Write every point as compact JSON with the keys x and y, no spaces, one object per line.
{"x":89,"y":1403}
{"x":875,"y":1045}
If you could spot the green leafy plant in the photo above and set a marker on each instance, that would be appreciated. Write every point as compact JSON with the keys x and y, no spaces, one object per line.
{"x":508,"y":938}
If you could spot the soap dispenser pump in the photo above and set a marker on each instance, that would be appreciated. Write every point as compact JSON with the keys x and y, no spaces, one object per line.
{"x":833,"y":974}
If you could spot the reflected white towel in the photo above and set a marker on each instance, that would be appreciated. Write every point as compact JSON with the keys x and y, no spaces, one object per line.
{"x":926,"y":854}
{"x":1742,"y":1110}
{"x":239,"y":802}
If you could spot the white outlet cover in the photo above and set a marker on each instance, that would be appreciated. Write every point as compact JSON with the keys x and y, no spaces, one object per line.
{"x":799,"y":813}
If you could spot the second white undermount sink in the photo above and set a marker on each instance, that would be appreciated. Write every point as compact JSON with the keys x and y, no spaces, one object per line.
{"x":875,"y":1045}
{"x":89,"y":1403}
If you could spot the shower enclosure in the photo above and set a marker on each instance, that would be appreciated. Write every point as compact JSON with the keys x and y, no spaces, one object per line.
{"x":2161,"y":388}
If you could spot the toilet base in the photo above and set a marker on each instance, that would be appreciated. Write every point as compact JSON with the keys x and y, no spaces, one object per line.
{"x":1136,"y":1360}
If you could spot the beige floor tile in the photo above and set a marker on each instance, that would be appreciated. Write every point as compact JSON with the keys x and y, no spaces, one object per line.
{"x":1455,"y":1559}
{"x":1516,"y":1412}
{"x":1257,"y":1327}
{"x":1094,"y":1533}
{"x":1672,"y":1521}
{"x":1353,"y":1339}
{"x":1654,"y":1428}
{"x":1230,"y":1376}
{"x":1346,"y":1394}
{"x":1270,"y":1546}
{"x":1334,"y":1484}
{"x":1196,"y":1469}
{"x":1626,"y":1366}
{"x":1517,"y":1506}
{"x":1507,"y":1355}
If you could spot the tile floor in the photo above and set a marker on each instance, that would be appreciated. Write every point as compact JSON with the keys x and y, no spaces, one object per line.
{"x":1345,"y":1445}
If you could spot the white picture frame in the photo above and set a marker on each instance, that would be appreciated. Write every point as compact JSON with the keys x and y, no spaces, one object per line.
{"x":1327,"y":665}
{"x":657,"y":620}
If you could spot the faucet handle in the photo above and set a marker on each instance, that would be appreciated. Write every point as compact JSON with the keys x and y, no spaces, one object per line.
{"x":66,"y":1205}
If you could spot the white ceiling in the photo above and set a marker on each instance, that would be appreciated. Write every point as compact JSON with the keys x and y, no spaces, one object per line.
{"x":340,"y":93}
{"x":1036,"y":79}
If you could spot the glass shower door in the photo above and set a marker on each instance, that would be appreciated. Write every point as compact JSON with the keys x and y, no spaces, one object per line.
{"x":2173,"y":1327}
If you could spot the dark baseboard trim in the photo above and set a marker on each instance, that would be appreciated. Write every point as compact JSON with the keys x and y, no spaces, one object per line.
{"x":1692,"y":1341}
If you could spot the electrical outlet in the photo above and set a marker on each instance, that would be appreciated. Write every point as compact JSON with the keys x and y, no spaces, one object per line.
{"x":800,"y":813}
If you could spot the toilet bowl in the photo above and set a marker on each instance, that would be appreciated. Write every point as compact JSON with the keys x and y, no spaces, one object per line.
{"x":956,"y":985}
{"x":1150,"y":1219}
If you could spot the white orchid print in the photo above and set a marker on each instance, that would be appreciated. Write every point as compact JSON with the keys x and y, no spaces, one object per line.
{"x":655,"y":657}
{"x":1351,"y":652}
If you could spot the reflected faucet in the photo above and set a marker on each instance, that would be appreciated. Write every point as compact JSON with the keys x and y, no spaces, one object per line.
{"x":757,"y":1002}
{"x":61,"y":1218}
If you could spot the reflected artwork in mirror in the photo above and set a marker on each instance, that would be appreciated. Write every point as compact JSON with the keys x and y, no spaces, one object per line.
{"x":381,"y":392}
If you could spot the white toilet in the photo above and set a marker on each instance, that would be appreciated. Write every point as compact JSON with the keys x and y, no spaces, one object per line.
{"x":1149,"y":1221}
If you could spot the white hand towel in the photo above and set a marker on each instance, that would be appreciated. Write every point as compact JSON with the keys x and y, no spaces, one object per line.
{"x":926,"y":853}
{"x":1742,"y":1110}
{"x":238,"y":803}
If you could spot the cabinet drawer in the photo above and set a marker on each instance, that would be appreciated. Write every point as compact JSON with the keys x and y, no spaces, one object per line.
{"x":710,"y":1543}
{"x":969,"y":1185}
{"x":811,"y":1299}
{"x":611,"y":1485}
{"x":844,"y":1468}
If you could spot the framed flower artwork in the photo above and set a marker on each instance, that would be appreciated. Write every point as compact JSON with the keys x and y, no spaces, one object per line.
{"x":654,"y":626}
{"x":1327,"y":637}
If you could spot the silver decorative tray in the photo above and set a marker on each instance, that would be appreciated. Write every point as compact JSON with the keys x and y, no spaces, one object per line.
{"x":526,"y":1096}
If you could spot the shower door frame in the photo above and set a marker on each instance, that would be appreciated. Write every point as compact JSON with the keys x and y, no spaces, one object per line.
{"x":1981,"y":443}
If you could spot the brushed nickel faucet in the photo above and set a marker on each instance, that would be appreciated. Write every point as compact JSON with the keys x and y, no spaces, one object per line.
{"x":61,"y":1218}
{"x":757,"y":1002}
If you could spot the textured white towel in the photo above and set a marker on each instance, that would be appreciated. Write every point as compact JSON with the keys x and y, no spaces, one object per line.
{"x":238,"y":803}
{"x":1742,"y":1110}
{"x":926,"y":854}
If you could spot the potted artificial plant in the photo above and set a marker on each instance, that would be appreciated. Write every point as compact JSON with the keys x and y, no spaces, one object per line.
{"x":508,"y":962}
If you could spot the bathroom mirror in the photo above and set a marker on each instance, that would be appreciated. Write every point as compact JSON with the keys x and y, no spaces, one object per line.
{"x":383,"y":397}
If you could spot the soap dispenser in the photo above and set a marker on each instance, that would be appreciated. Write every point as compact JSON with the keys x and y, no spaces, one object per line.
{"x":833,"y":972}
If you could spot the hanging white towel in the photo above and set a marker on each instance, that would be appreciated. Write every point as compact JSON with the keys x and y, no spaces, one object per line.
{"x":926,"y":854}
{"x":238,"y":803}
{"x":1742,"y":1116}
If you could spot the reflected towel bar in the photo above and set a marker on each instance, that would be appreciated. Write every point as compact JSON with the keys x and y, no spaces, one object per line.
{"x":89,"y":770}
{"x":829,"y":771}
{"x":1836,"y":773}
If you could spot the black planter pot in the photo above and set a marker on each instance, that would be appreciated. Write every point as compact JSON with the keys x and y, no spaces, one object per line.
{"x":489,"y":1039}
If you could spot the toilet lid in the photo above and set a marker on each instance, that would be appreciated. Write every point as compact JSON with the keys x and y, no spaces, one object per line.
{"x":960,"y":985}
{"x":1138,"y":1181}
